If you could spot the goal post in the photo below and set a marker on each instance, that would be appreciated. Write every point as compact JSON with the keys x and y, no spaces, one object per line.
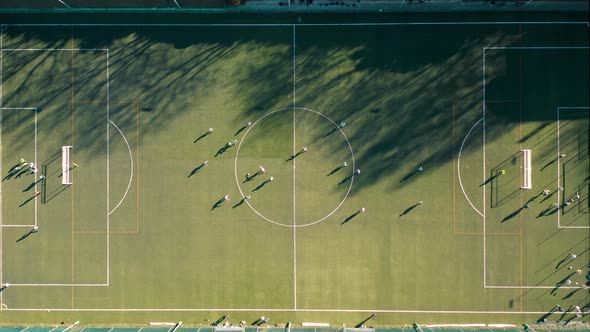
{"x":65,"y":165}
{"x":527,"y":182}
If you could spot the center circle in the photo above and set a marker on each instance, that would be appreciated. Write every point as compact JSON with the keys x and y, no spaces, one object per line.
{"x":275,"y":145}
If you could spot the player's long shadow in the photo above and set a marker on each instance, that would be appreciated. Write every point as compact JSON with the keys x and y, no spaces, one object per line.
{"x":570,"y":294}
{"x":202,"y":136}
{"x":294,"y":156}
{"x":409,"y":176}
{"x":546,"y":315}
{"x":221,"y":319}
{"x":569,"y":319}
{"x":552,"y":209}
{"x":196,"y":170}
{"x":251,"y":177}
{"x":346,"y":179}
{"x":240,"y":130}
{"x":27,"y":200}
{"x":257,"y":322}
{"x":360,"y":324}
{"x":409,"y":209}
{"x":553,"y":161}
{"x":548,"y":196}
{"x":349,"y":218}
{"x":561,"y":283}
{"x":32,"y":185}
{"x":513,"y":214}
{"x":335,"y":170}
{"x":330,"y":132}
{"x":239,"y":203}
{"x":261,"y":185}
{"x":9,"y":175}
{"x":490,"y":179}
{"x":21,"y":173}
{"x":26,"y":235}
{"x":11,"y":172}
{"x":221,"y":150}
{"x":218,"y":203}
{"x":561,"y":262}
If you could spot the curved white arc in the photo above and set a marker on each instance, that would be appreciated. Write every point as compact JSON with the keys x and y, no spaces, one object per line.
{"x":238,"y":181}
{"x":131,"y":171}
{"x":459,"y":167}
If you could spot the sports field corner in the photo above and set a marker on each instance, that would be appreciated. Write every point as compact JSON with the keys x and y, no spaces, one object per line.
{"x":432,"y":171}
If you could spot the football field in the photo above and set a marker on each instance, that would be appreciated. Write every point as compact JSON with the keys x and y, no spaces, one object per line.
{"x":427,"y":171}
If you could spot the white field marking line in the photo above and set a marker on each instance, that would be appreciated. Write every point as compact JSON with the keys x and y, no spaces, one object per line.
{"x":534,"y":287}
{"x":294,"y":173}
{"x":17,"y":225}
{"x":26,"y":328}
{"x":19,"y":108}
{"x":131,"y":162}
{"x":53,"y":49}
{"x":305,"y":24}
{"x":53,"y":329}
{"x":480,"y":312}
{"x":82,"y":329}
{"x":112,"y":328}
{"x":58,"y":285}
{"x":459,"y":167}
{"x":559,"y":164}
{"x":483,"y":190}
{"x":536,"y":47}
{"x":238,"y":181}
{"x":37,"y":165}
{"x":141,"y":328}
{"x":108,"y":174}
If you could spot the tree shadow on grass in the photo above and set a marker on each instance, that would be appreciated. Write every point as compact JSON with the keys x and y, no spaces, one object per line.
{"x":172,"y":64}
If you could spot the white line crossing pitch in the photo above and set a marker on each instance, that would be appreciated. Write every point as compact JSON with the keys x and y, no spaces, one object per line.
{"x":294,"y":201}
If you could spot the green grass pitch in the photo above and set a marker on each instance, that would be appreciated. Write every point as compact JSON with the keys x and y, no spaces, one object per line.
{"x":143,"y":233}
